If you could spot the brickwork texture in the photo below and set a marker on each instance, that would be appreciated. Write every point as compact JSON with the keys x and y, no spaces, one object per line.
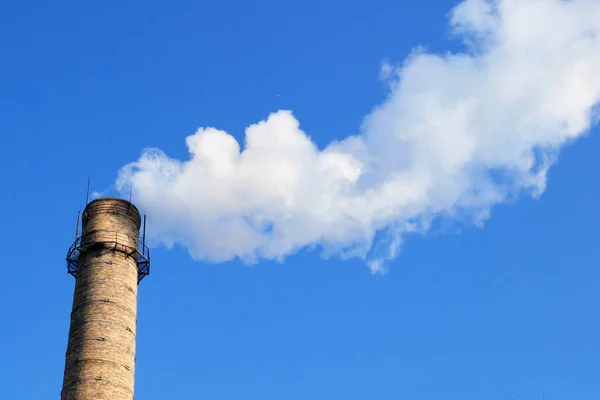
{"x":100,"y":359}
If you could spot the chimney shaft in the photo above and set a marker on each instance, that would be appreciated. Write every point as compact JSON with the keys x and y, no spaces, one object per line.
{"x":100,"y":359}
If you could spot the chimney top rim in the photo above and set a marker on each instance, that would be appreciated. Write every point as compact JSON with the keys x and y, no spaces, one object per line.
{"x":132,"y":210}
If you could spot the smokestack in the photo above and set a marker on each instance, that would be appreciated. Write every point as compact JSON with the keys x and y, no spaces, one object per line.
{"x":108,"y":262}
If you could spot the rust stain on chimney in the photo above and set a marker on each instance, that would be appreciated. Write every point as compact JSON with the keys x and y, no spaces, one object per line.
{"x":108,"y":262}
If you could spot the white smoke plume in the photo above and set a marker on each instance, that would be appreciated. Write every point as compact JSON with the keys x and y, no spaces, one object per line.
{"x":458,"y":134}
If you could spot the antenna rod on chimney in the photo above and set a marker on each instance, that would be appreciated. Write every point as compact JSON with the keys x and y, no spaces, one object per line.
{"x":87,"y":195}
{"x":77,"y":227}
{"x":144,"y":235}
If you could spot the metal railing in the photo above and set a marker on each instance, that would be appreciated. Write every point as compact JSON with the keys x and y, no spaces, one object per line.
{"x":112,"y":240}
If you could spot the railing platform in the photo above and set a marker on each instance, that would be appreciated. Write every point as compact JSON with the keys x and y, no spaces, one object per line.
{"x":110,"y":239}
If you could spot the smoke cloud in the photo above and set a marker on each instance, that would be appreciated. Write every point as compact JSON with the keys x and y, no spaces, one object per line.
{"x":457,"y":134}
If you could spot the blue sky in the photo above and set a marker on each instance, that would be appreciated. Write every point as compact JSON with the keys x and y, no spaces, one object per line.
{"x":490,"y":313}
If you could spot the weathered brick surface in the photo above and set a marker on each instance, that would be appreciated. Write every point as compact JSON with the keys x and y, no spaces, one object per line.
{"x":100,"y":359}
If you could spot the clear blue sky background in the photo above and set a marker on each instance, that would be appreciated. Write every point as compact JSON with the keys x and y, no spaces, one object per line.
{"x":489,"y":314}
